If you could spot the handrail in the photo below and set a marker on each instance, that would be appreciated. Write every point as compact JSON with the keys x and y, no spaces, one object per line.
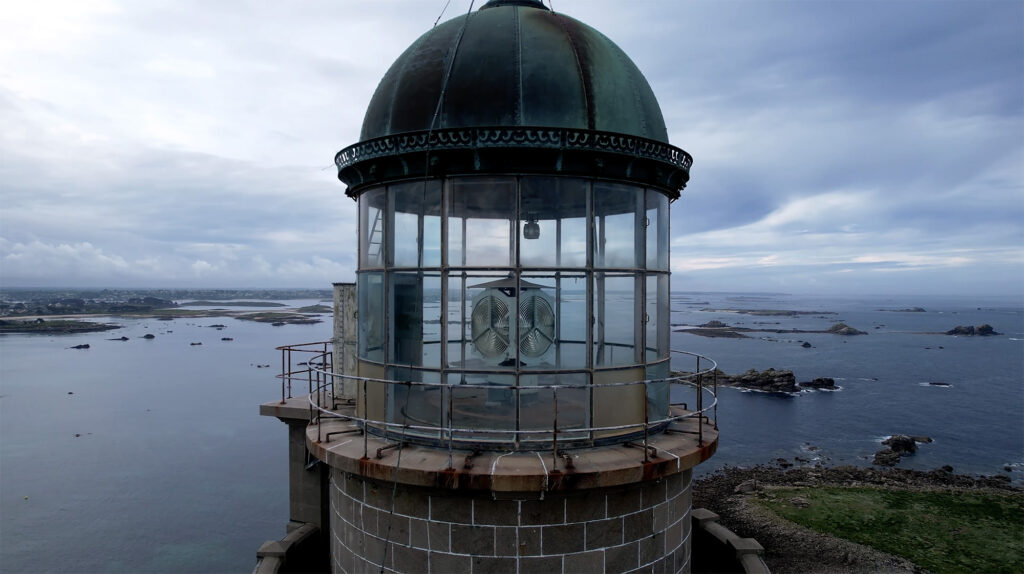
{"x":323,"y":403}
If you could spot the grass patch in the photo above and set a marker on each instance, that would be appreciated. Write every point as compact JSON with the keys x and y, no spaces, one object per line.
{"x":960,"y":531}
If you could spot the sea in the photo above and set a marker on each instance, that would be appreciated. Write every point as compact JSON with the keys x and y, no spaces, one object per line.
{"x":149,"y":455}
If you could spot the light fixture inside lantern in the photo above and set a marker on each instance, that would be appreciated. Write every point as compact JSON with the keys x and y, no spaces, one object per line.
{"x":493,"y":325}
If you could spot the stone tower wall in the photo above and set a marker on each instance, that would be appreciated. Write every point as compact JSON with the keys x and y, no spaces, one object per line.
{"x":643,"y":527}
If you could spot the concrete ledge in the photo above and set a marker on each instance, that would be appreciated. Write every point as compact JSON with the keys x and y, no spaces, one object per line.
{"x":727,"y":551}
{"x":295,"y":408}
{"x":504,"y":473}
{"x":273,"y":555}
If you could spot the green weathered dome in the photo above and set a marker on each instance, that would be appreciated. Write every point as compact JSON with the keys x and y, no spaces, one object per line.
{"x":516,"y":64}
{"x":514,"y":88}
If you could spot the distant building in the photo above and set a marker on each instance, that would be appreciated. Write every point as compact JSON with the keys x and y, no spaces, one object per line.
{"x":501,"y":393}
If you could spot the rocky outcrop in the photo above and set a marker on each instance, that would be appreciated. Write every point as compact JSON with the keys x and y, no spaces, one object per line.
{"x":983,"y":330}
{"x":770,"y":380}
{"x":820,"y":383}
{"x":844,"y":329}
{"x":898,"y":446}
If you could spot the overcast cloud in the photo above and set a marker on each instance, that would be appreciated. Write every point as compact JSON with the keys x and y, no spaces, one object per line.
{"x":839,"y":147}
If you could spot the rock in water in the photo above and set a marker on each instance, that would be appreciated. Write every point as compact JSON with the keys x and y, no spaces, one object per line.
{"x":901,"y":444}
{"x":886,"y":457}
{"x":844,"y":329}
{"x":820,"y":383}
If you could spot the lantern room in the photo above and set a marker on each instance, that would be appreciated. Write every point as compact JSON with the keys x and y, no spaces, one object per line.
{"x":513,"y":185}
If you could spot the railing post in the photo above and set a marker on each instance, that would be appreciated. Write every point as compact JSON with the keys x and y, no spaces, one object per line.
{"x":284,"y":375}
{"x":366,"y":417}
{"x":646,"y":419}
{"x":449,"y":422}
{"x":554,"y":431}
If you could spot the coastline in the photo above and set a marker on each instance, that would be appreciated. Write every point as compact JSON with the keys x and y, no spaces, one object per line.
{"x":790,"y":547}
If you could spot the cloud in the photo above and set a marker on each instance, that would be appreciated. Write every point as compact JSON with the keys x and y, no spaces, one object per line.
{"x":838,"y":146}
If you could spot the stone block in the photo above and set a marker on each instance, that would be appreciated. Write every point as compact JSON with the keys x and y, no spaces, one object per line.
{"x":542,"y":512}
{"x":652,"y":547}
{"x":637,"y":525}
{"x":409,"y":559}
{"x":378,"y":495}
{"x":622,"y":558}
{"x":418,"y":536}
{"x":369,"y":519}
{"x":674,"y":536}
{"x":562,"y":539}
{"x":496,"y":512}
{"x":584,"y":562}
{"x":444,"y":563}
{"x":394,"y":528}
{"x":477,"y":540}
{"x":451,"y":509}
{"x":680,"y":505}
{"x":674,"y":484}
{"x":352,"y":485}
{"x":440,"y":536}
{"x":659,"y":517}
{"x":493,"y":565}
{"x":604,"y":533}
{"x":653,"y":492}
{"x":506,"y":543}
{"x":585,"y":508}
{"x":623,"y":502}
{"x":529,"y":540}
{"x":540,"y":564}
{"x":375,"y":551}
{"x":680,"y":559}
{"x":411,"y":504}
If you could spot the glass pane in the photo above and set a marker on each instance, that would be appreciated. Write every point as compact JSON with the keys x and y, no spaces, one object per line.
{"x":616,"y":330}
{"x":552,"y":330}
{"x":657,"y":391}
{"x":480,"y":222}
{"x":618,"y":405}
{"x":416,"y":223}
{"x":656,"y":317}
{"x":371,"y":226}
{"x":553,"y":216}
{"x":657,"y":230}
{"x":488,"y":405}
{"x":619,"y":229}
{"x":480,"y":323}
{"x":537,"y":406}
{"x":415,"y":305}
{"x":420,"y":405}
{"x":371,"y":316}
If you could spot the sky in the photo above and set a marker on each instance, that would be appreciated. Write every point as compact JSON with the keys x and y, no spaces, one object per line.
{"x":846,"y":147}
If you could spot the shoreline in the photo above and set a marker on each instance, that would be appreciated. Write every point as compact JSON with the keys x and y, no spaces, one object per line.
{"x":793,"y":548}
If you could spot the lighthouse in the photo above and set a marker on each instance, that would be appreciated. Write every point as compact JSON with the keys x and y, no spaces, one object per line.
{"x":509,"y":400}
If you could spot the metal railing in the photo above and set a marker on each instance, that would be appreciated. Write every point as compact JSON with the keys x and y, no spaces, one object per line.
{"x":325,"y":402}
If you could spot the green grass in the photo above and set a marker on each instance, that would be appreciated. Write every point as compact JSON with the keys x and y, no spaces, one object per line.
{"x":960,"y":531}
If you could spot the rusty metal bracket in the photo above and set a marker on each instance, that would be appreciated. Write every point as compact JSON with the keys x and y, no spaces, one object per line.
{"x":568,"y":459}
{"x":328,"y":437}
{"x":394,"y":445}
{"x":468,"y":463}
{"x":653,"y":452}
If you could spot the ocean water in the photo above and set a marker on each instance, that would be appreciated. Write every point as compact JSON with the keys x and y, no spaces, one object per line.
{"x":173,"y":469}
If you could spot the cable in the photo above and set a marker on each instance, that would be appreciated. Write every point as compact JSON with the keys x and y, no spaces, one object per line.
{"x":442,"y":12}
